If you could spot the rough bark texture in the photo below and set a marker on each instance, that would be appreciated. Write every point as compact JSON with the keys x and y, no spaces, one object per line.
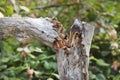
{"x":27,"y":29}
{"x":73,"y":64}
{"x":72,"y":51}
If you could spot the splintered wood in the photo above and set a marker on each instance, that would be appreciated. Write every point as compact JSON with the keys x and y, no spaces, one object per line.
{"x":63,"y":41}
{"x":72,"y":51}
{"x":73,"y":59}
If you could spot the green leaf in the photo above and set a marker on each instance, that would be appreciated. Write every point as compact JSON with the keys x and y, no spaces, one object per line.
{"x":95,"y":46}
{"x":30,"y":55}
{"x":12,"y":41}
{"x":50,"y":79}
{"x":116,"y":77}
{"x":25,"y":9}
{"x":3,"y":67}
{"x":91,"y":75}
{"x":46,"y":65}
{"x":53,"y":65}
{"x":105,"y":53}
{"x":45,"y":57}
{"x":42,"y":56}
{"x":9,"y":10}
{"x":4,"y":77}
{"x":100,"y":77}
{"x":100,"y":62}
{"x":5,"y":60}
{"x":38,"y":73}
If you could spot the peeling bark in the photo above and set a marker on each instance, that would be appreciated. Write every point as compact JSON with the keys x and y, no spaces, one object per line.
{"x":72,"y":52}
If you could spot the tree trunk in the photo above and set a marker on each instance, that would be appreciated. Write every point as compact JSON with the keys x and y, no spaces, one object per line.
{"x":72,"y":52}
{"x":74,"y":65}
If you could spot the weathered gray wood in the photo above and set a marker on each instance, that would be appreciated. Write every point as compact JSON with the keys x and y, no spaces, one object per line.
{"x":72,"y":52}
{"x":74,"y":65}
{"x":27,"y":29}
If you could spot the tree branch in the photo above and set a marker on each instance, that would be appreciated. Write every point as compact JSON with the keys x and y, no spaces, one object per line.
{"x":72,"y":52}
{"x":27,"y":29}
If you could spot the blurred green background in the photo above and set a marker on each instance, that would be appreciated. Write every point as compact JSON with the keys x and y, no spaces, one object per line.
{"x":36,"y":61}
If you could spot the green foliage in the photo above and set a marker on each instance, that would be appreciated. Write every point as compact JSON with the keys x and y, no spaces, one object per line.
{"x":17,"y":60}
{"x":14,"y":64}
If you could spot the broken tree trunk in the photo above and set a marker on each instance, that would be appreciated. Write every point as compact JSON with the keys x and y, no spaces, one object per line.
{"x":72,"y":52}
{"x":73,"y":64}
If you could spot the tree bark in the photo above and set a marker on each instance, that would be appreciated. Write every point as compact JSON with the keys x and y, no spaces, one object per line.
{"x":73,"y":65}
{"x":27,"y":29}
{"x":72,"y":52}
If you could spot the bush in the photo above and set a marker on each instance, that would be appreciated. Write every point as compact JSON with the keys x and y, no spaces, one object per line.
{"x":37,"y":61}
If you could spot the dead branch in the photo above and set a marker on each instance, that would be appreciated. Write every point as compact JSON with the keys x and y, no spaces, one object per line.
{"x":28,"y":29}
{"x":72,"y":51}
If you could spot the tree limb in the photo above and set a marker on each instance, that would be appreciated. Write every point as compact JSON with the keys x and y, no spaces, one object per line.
{"x":27,"y":29}
{"x":72,"y":52}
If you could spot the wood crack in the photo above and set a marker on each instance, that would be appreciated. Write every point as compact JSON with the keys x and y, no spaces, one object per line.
{"x":72,"y":51}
